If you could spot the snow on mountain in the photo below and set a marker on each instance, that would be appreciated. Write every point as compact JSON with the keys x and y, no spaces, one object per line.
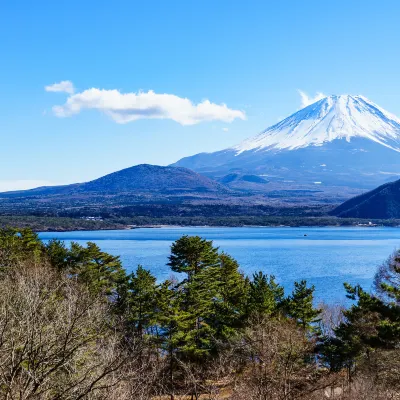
{"x":337,"y":142}
{"x":334,"y":117}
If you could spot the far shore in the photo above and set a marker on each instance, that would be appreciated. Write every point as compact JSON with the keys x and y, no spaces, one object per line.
{"x":64,"y":224}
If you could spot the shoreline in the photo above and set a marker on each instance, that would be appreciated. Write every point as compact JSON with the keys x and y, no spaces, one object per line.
{"x":128,"y":228}
{"x":62,"y":224}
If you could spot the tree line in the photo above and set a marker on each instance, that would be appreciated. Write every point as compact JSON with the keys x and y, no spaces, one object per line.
{"x":75,"y":325}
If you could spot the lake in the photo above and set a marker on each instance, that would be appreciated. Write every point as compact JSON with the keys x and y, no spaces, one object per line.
{"x":325,"y":257}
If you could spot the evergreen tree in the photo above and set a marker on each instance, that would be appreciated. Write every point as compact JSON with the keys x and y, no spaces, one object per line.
{"x":19,"y":245}
{"x":299,"y":305}
{"x":371,"y":323}
{"x":265,"y":295}
{"x":198,"y":302}
{"x":141,"y":300}
{"x":173,"y":322}
{"x":366,"y":327}
{"x":59,"y":255}
{"x":199,"y":259}
{"x":100,"y":271}
{"x":231,"y":298}
{"x":190,"y":254}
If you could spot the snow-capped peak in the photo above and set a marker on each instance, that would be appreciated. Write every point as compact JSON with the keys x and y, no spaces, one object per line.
{"x":333,"y":117}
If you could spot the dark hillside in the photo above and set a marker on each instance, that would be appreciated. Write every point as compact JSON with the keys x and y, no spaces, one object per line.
{"x":139,"y":178}
{"x":382,"y":202}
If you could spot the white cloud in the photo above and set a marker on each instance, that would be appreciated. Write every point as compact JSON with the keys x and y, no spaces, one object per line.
{"x":307,"y":100}
{"x":127,"y":107}
{"x":63,"y":86}
{"x":225,"y":129}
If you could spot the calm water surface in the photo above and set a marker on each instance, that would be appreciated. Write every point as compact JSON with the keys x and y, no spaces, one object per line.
{"x":326,"y":257}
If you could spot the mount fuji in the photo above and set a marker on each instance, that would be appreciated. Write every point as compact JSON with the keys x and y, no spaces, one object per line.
{"x":339,"y":142}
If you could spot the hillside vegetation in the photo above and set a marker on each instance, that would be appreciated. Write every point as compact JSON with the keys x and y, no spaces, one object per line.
{"x":382,"y":202}
{"x":74,"y":325}
{"x":143,"y":177}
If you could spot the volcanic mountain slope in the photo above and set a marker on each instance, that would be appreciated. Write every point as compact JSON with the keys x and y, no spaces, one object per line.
{"x":139,"y":179}
{"x":244,"y":183}
{"x":148,"y":189}
{"x":381,"y":203}
{"x":339,"y":141}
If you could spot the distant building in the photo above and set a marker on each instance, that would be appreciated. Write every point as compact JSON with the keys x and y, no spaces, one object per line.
{"x":92,"y":218}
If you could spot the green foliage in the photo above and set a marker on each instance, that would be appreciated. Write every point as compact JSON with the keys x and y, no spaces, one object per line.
{"x":265,"y":295}
{"x":371,"y":324}
{"x":212,"y":298}
{"x":19,"y":245}
{"x":198,"y":303}
{"x":41,"y":222}
{"x":141,"y":301}
{"x":59,"y":255}
{"x":173,"y":323}
{"x":299,"y":305}
{"x":230,"y":301}
{"x":191,"y":254}
{"x":199,"y":260}
{"x":336,"y":353}
{"x":171,"y":318}
{"x":100,"y":271}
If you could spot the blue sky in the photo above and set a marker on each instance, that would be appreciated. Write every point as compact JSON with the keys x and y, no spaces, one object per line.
{"x":251,"y":55}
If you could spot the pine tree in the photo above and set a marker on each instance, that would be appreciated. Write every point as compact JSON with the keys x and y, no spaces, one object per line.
{"x":173,"y":323}
{"x":141,"y":302}
{"x":59,"y":255}
{"x":199,"y":295}
{"x":19,"y":245}
{"x":265,"y":295}
{"x":198,"y":258}
{"x":191,"y":254}
{"x":371,"y":323}
{"x":231,"y":298}
{"x":358,"y":334}
{"x":299,"y":305}
{"x":100,"y":271}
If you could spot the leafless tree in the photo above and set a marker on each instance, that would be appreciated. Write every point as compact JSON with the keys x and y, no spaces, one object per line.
{"x":282,"y":362}
{"x":388,"y":273}
{"x":55,"y":338}
{"x":330,"y":318}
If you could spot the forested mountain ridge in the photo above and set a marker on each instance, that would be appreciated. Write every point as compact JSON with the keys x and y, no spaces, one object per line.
{"x":157,"y":188}
{"x":382,"y":202}
{"x":139,"y":178}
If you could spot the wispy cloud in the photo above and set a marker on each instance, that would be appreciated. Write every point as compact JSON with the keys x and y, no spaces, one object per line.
{"x":306,"y":100}
{"x":225,"y":129}
{"x":63,"y":86}
{"x":128,"y":107}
